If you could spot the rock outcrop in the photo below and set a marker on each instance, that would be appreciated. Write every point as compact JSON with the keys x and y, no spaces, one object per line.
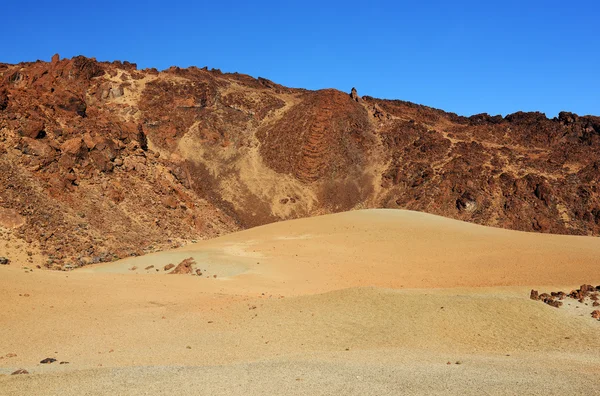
{"x":184,"y":268}
{"x":104,"y":161}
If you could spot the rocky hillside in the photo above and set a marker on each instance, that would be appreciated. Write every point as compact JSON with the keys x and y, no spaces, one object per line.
{"x":101,"y":161}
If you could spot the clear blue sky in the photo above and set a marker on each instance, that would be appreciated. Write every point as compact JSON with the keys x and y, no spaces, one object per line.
{"x":462,"y":56}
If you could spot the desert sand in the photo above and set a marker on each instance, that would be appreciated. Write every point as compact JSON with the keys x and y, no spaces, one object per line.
{"x":364,"y":302}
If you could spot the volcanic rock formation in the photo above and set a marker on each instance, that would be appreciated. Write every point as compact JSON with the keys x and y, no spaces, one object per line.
{"x":103,"y":161}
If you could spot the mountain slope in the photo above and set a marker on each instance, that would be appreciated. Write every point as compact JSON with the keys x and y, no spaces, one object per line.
{"x":100,"y":160}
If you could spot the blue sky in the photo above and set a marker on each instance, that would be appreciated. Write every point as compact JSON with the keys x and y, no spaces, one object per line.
{"x":466,"y":57}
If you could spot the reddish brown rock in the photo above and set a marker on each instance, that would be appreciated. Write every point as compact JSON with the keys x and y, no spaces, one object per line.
{"x":534,"y":295}
{"x":33,"y":128}
{"x":560,"y":295}
{"x":185,"y":267}
{"x":596,"y":314}
{"x":169,"y":266}
{"x":20,"y":371}
{"x":73,"y":146}
{"x":554,"y":303}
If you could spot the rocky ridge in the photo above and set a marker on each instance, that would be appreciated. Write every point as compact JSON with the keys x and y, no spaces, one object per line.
{"x":100,"y":160}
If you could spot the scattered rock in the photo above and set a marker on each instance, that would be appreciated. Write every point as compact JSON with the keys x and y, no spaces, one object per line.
{"x":64,"y":363}
{"x":11,"y":355}
{"x":4,"y":261}
{"x":149,"y":267}
{"x":169,"y":266}
{"x":587,"y":288}
{"x":596,"y":314}
{"x":584,"y":291}
{"x":554,"y":303}
{"x":20,"y":371}
{"x":133,"y":268}
{"x":48,"y":361}
{"x":185,"y":267}
{"x":560,"y":295}
{"x":198,"y":272}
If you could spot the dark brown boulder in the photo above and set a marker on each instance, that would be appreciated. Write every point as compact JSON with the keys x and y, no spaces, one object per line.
{"x":75,"y":105}
{"x":354,"y":95}
{"x":142,"y":139}
{"x":87,"y":68}
{"x":587,"y":288}
{"x":33,"y":128}
{"x":3,"y":99}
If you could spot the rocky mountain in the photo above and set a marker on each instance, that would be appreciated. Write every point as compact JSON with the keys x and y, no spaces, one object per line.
{"x":101,"y":160}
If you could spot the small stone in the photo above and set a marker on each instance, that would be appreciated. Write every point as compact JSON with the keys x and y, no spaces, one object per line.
{"x":596,"y":314}
{"x":4,"y":261}
{"x":188,"y":347}
{"x":64,"y":363}
{"x":48,"y":361}
{"x":11,"y":355}
{"x":169,"y":266}
{"x":20,"y":371}
{"x":534,"y":295}
{"x":149,"y":267}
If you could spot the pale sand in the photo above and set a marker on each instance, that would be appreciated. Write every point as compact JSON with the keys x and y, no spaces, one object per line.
{"x":352,"y":304}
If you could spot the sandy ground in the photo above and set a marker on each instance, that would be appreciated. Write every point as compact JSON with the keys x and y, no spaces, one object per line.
{"x":365,"y":302}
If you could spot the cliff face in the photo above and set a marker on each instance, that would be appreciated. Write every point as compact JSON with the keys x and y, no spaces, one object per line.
{"x":101,"y":160}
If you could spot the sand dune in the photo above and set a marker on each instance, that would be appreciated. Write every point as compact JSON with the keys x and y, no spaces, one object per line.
{"x":364,"y":302}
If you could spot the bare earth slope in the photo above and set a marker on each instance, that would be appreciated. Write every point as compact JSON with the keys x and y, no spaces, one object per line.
{"x":100,"y":161}
{"x":363,"y":302}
